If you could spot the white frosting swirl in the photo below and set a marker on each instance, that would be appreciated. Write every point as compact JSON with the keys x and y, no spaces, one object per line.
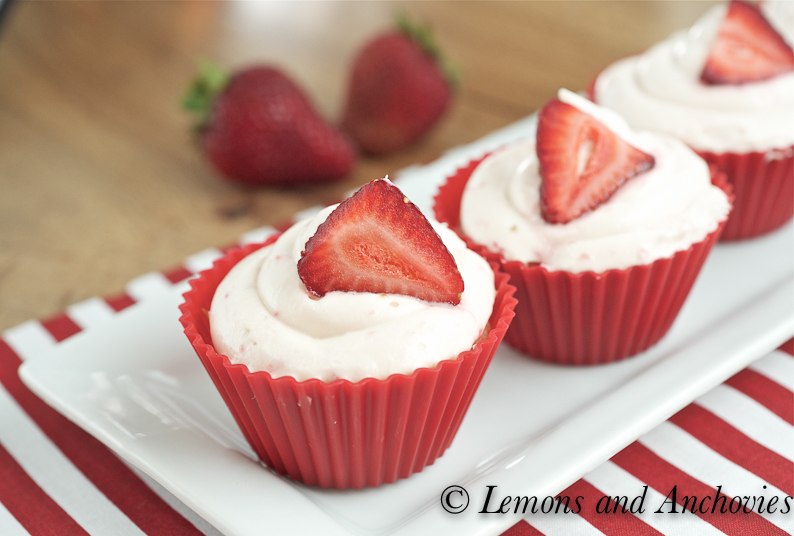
{"x":651,"y":216}
{"x":263,"y":316}
{"x":661,"y":90}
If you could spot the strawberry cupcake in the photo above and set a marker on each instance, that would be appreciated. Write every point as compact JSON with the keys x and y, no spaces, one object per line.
{"x":603,"y":230}
{"x":349,"y":348}
{"x":726,"y":88}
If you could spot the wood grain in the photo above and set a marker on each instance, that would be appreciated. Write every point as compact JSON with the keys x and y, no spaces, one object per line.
{"x":100,"y":180}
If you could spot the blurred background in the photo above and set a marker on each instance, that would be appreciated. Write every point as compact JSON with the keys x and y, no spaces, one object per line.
{"x":101,"y":179}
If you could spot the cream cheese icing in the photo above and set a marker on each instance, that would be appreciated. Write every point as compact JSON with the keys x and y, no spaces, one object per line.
{"x":661,"y":90}
{"x":651,"y":216}
{"x":263,"y":316}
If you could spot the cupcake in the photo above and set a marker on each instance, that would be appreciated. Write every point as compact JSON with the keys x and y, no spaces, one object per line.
{"x":726,"y":88}
{"x":349,"y":348}
{"x":603,"y":230}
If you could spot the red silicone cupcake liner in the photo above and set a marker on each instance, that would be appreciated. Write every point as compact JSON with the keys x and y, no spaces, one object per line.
{"x":343,"y":434}
{"x":763,"y":186}
{"x":588,"y":318}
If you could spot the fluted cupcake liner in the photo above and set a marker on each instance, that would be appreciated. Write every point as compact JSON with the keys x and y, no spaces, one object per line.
{"x":763,"y":186}
{"x":588,"y":318}
{"x":345,"y":434}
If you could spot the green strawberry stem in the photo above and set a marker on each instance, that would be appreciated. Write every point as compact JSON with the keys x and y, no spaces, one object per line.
{"x":423,"y":35}
{"x":198,"y":98}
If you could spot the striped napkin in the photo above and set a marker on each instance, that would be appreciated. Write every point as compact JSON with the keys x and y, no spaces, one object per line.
{"x":738,"y":438}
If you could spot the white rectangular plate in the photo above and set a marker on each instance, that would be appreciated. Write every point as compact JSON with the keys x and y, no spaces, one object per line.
{"x":532,"y":429}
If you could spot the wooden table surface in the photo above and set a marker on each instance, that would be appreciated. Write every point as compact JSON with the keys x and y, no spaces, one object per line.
{"x":100,"y":180}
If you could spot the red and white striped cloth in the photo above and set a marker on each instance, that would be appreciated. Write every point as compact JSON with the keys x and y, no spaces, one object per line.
{"x":56,"y":479}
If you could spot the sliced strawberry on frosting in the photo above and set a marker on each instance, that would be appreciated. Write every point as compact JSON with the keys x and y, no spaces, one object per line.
{"x":377,"y":241}
{"x":582,"y":162}
{"x":747,"y":49}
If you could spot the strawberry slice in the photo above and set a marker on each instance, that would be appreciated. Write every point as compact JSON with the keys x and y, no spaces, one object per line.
{"x":747,"y":49}
{"x":377,"y":241}
{"x":582,"y":162}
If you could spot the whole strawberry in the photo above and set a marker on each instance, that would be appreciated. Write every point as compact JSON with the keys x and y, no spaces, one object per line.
{"x":399,"y":88}
{"x":257,"y":127}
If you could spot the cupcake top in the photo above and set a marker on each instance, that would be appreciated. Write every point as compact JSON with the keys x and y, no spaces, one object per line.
{"x":662,"y":89}
{"x":264,"y":316}
{"x":652,"y":215}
